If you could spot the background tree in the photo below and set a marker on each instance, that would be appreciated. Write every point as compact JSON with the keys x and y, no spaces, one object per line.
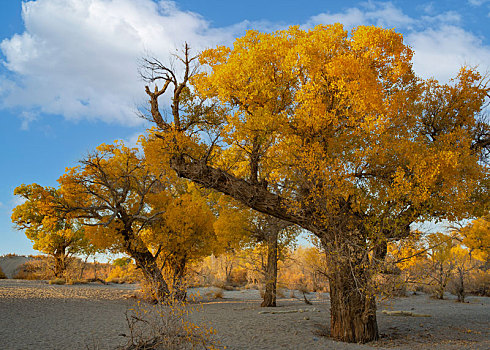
{"x":440,"y":261}
{"x":275,"y":235}
{"x":333,"y":132}
{"x":50,"y":231}
{"x":152,"y":217}
{"x":112,"y":192}
{"x":185,"y":235}
{"x":472,"y":253}
{"x":238,"y":227}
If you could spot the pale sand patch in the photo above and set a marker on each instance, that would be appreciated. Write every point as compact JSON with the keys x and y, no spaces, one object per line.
{"x":35,"y":315}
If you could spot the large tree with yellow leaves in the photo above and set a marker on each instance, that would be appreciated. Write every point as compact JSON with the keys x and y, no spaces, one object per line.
{"x":331,"y":131}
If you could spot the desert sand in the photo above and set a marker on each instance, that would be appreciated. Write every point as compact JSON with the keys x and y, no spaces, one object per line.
{"x":36,"y":315}
{"x":10,"y":264}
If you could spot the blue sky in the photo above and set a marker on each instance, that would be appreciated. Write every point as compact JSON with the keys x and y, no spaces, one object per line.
{"x":68,"y":68}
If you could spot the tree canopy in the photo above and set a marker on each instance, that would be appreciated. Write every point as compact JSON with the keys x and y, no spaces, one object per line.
{"x":49,"y":229}
{"x":334,"y":132}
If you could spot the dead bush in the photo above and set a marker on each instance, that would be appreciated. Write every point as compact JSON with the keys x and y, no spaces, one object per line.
{"x":2,"y":275}
{"x":165,"y":327}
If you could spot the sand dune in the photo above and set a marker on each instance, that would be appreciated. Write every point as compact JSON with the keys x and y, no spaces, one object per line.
{"x":11,"y":264}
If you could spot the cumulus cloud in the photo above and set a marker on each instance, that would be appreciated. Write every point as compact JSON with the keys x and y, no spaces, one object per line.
{"x":79,"y":58}
{"x":383,"y":14}
{"x":440,"y":52}
{"x":441,"y":47}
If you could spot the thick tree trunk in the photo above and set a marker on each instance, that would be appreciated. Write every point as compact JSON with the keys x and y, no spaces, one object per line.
{"x":153,"y":275}
{"x":352,"y":301}
{"x":59,"y":264}
{"x":271,"y":271}
{"x":145,"y":261}
{"x":179,"y":291}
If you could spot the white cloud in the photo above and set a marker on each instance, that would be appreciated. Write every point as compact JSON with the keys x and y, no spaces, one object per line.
{"x":79,"y":58}
{"x":27,"y":118}
{"x":18,"y":200}
{"x":478,"y":2}
{"x":441,"y":46}
{"x":383,"y":14}
{"x":132,"y":140}
{"x":440,"y":52}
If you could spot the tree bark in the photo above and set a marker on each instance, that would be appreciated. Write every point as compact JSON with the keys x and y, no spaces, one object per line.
{"x":59,"y":263}
{"x":179,"y":291}
{"x":352,"y":302}
{"x":460,"y":290}
{"x":153,"y":275}
{"x":271,"y":271}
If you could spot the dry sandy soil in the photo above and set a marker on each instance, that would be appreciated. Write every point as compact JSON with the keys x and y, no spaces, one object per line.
{"x":36,"y":315}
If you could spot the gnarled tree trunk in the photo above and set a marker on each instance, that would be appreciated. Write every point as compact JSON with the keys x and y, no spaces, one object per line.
{"x":145,"y":261}
{"x":271,"y":270}
{"x":179,"y":291}
{"x":352,"y":301}
{"x":60,"y":262}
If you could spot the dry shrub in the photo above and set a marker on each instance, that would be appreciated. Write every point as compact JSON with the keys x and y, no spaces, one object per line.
{"x":58,"y":281}
{"x":38,"y":268}
{"x":223,"y":285}
{"x":2,"y":275}
{"x":479,"y":283}
{"x":251,"y":286}
{"x":280,"y":293}
{"x":166,"y":327}
{"x":391,"y":285}
{"x":218,"y":294}
{"x":124,"y":274}
{"x":76,"y":281}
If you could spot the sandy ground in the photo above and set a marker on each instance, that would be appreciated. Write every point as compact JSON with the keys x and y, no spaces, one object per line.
{"x":10,"y":264}
{"x":36,"y":315}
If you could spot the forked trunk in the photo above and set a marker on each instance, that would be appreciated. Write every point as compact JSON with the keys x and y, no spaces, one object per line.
{"x":271,"y":272}
{"x":179,"y":291}
{"x":152,"y":273}
{"x":59,"y":264}
{"x":145,"y":261}
{"x":352,"y":304}
{"x":153,"y":276}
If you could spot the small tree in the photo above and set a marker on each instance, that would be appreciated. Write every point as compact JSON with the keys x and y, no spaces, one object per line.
{"x":111,"y":193}
{"x":50,"y":231}
{"x":440,"y":261}
{"x":472,"y":253}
